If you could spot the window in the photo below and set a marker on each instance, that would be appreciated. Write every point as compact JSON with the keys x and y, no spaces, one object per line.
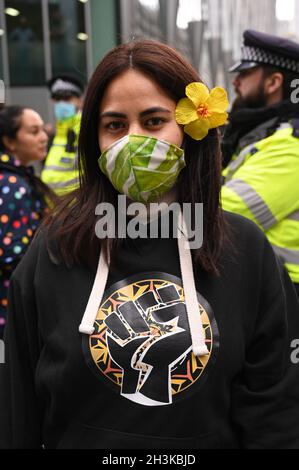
{"x":68,"y":37}
{"x":25,"y":42}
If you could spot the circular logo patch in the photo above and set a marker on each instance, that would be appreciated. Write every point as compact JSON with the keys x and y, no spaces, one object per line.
{"x":142,"y":345}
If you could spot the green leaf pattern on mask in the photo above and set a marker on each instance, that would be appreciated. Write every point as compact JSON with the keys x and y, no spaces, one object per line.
{"x":141,"y":152}
{"x":122,"y":168}
{"x":144,"y":168}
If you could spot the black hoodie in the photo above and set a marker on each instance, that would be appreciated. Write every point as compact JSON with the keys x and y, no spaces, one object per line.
{"x":126,"y":388}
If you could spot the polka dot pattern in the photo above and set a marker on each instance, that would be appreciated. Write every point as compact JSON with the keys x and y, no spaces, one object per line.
{"x":21,"y":211}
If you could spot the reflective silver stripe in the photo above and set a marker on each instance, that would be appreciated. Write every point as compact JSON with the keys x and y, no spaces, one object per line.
{"x":253,"y":200}
{"x":59,"y":168}
{"x":288,"y":256}
{"x":64,"y":184}
{"x":284,"y":125}
{"x":294,"y":216}
{"x":235,"y":164}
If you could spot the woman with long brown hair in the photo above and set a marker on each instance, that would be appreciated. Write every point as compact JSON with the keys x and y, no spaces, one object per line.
{"x":149,"y":342}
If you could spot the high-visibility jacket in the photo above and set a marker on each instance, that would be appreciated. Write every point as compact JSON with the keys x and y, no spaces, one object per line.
{"x":61,"y":172}
{"x":262,"y":184}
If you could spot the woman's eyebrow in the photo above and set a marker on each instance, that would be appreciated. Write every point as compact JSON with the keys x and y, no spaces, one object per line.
{"x":34,"y":126}
{"x":154,"y":110}
{"x":112,"y":114}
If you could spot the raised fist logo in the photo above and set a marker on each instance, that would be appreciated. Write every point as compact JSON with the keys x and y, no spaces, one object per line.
{"x":147,"y":338}
{"x":141,"y":347}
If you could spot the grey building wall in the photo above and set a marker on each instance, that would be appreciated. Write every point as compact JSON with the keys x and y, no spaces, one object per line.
{"x":296,"y":21}
{"x":212,"y":43}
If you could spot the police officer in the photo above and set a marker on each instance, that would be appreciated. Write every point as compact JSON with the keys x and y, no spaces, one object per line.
{"x":261,"y":143}
{"x":61,"y":167}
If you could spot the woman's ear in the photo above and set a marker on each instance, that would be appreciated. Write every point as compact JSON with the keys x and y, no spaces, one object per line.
{"x":9,"y":143}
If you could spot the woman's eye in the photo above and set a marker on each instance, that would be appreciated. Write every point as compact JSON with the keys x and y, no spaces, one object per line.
{"x":153,"y":122}
{"x":114,"y":126}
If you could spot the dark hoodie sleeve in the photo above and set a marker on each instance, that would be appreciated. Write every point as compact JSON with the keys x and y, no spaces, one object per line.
{"x":19,"y":414}
{"x":265,"y":395}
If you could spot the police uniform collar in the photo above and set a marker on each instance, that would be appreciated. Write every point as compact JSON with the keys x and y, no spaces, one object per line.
{"x":244,"y":121}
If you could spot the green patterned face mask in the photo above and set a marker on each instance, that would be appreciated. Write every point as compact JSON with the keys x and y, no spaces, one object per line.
{"x":142,"y":168}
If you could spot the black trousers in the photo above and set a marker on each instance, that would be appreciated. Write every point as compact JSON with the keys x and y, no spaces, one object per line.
{"x":297,"y":288}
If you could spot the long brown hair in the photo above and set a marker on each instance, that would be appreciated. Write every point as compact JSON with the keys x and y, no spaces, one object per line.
{"x":72,"y":224}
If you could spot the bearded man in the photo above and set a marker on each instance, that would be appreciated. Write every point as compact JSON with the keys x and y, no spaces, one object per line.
{"x":261,"y":143}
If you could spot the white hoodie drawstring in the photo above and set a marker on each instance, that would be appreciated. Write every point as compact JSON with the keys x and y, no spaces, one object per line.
{"x":194,"y":318}
{"x":95,"y":298}
{"x":195,"y":323}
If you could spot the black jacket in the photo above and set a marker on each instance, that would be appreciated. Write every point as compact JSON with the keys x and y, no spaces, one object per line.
{"x":21,"y":210}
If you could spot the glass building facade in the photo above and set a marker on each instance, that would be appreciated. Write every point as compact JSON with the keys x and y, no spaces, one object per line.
{"x":43,"y":38}
{"x":25,"y":39}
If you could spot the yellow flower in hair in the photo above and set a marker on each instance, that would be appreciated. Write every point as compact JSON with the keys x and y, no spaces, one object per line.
{"x":202,"y":110}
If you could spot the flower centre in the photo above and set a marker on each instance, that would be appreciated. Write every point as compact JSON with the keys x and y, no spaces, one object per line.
{"x":203,"y":111}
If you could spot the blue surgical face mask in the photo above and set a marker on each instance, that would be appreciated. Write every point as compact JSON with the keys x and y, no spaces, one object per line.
{"x":64,"y":110}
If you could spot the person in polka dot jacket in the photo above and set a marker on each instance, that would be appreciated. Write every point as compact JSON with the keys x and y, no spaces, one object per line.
{"x":22,"y":195}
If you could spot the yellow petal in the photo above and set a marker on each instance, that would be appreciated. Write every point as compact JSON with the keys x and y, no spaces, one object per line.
{"x":217,"y":119}
{"x":198,"y":93}
{"x":185,"y":112}
{"x":198,"y":130}
{"x":218,"y":101}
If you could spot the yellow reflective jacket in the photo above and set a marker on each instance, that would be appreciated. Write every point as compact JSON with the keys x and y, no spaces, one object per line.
{"x":61,"y":172}
{"x":262,"y":184}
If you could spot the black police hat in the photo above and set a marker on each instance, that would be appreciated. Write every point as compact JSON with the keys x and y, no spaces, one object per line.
{"x":65,"y":86}
{"x":265,"y":49}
